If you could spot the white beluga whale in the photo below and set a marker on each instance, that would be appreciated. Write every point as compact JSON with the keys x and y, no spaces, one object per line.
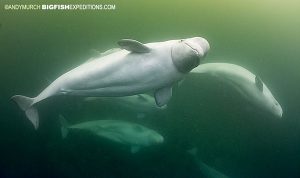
{"x":138,"y":68}
{"x":133,"y":135}
{"x":249,"y":85}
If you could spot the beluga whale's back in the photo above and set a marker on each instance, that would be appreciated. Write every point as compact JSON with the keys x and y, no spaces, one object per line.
{"x":249,"y":85}
{"x":138,"y":68}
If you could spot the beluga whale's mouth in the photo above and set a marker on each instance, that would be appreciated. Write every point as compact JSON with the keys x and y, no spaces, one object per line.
{"x":198,"y":51}
{"x":188,"y":53}
{"x":199,"y":45}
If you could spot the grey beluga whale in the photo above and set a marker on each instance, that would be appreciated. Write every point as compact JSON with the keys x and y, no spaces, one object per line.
{"x":138,"y":68}
{"x":206,"y":171}
{"x":249,"y":85}
{"x":133,"y":135}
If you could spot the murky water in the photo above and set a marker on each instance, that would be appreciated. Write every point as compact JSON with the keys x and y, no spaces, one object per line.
{"x":231,"y":135}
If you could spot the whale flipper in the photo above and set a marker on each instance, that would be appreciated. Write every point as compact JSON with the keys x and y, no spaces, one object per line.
{"x":134,"y":46}
{"x":163,"y":95}
{"x":26,"y":104}
{"x":259,"y":83}
{"x":64,"y":126}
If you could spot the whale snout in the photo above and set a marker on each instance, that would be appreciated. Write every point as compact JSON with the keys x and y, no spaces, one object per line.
{"x":277,"y":110}
{"x":199,"y":44}
{"x":203,"y":43}
{"x":188,"y":53}
{"x":159,"y":139}
{"x":280,"y":115}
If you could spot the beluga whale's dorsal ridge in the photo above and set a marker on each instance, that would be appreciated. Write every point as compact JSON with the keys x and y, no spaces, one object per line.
{"x":133,"y":46}
{"x":137,"y":68}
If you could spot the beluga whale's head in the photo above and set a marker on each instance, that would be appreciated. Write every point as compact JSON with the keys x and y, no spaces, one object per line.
{"x":153,"y":138}
{"x":188,"y":53}
{"x":270,"y":104}
{"x":265,"y":98}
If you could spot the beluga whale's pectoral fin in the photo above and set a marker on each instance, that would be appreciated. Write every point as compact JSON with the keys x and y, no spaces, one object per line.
{"x":163,"y":95}
{"x":133,"y":46}
{"x":64,"y":126}
{"x":259,"y":83}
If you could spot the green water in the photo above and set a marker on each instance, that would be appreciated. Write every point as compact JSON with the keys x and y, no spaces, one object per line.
{"x":234,"y":138}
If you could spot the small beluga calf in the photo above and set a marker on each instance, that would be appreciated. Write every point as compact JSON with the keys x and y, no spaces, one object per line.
{"x":138,"y":68}
{"x":249,"y":85}
{"x":133,"y":135}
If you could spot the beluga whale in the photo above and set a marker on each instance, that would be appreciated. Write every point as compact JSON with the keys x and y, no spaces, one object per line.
{"x":134,"y":135}
{"x":250,"y":86}
{"x":205,"y":170}
{"x":137,"y":68}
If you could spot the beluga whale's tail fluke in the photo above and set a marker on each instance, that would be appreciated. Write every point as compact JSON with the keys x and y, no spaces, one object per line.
{"x":26,"y":104}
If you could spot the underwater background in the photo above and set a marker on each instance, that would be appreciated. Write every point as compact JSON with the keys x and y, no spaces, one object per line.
{"x":232,"y":136}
